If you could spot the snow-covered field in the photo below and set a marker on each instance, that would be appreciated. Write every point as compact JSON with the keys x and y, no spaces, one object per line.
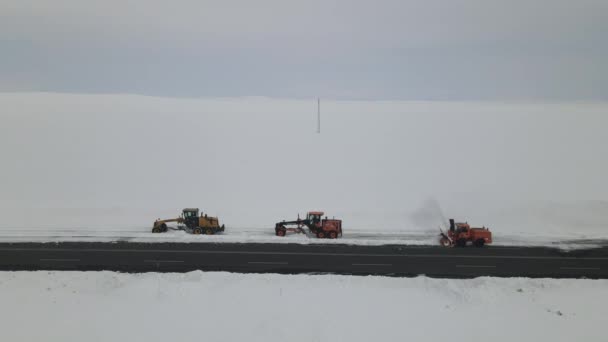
{"x":105,"y":166}
{"x":106,"y":306}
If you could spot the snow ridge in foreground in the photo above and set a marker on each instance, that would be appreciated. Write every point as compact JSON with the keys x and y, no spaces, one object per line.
{"x":266,"y":307}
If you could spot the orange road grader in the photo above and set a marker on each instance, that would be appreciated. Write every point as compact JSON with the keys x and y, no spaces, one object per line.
{"x":320,"y":227}
{"x":191,"y":222}
{"x":460,"y":234}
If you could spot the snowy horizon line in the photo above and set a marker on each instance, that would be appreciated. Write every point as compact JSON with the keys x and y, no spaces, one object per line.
{"x":307,"y":98}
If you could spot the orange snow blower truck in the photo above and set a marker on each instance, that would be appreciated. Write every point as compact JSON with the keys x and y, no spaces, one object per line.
{"x":460,"y":234}
{"x":320,"y":227}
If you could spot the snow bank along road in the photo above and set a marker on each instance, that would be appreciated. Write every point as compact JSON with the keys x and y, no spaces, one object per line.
{"x":261,"y":307}
{"x":296,"y":258}
{"x":266,"y":235}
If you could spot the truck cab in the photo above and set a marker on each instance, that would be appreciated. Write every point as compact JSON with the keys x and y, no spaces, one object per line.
{"x":314,"y":217}
{"x":190,"y":216}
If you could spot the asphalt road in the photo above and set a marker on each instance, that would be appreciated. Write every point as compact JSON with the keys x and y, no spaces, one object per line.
{"x":295,"y":258}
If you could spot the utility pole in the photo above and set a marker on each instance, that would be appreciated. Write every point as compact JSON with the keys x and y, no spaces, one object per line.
{"x":319,"y":115}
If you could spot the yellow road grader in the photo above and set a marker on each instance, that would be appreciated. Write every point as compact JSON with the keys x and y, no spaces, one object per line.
{"x":191,"y":222}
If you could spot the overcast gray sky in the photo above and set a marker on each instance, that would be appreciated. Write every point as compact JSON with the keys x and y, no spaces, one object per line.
{"x":382,"y":49}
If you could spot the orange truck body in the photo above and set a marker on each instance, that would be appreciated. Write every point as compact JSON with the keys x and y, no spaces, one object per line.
{"x":460,"y":234}
{"x":320,"y":227}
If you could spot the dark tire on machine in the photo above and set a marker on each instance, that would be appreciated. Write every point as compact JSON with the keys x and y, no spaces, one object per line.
{"x":479,"y":243}
{"x":156,"y":230}
{"x":281,"y":232}
{"x":209,"y":231}
{"x":321,"y":235}
{"x":163,"y":228}
{"x":333,"y":235}
{"x":461,"y":243}
{"x":197,"y":231}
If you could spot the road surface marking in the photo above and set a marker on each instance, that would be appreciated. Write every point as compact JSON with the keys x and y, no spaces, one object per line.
{"x":81,"y":250}
{"x":61,"y":260}
{"x":268,"y":262}
{"x":580,"y":268}
{"x":475,"y":266}
{"x":163,"y":261}
{"x":372,"y":264}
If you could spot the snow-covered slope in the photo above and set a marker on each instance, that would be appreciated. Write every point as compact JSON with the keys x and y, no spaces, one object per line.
{"x":98,"y":163}
{"x":105,"y":306}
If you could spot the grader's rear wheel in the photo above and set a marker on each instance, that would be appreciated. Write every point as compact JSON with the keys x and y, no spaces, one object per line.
{"x":321,"y":235}
{"x":479,"y":243}
{"x":333,"y":234}
{"x":209,"y":231}
{"x":197,"y":231}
